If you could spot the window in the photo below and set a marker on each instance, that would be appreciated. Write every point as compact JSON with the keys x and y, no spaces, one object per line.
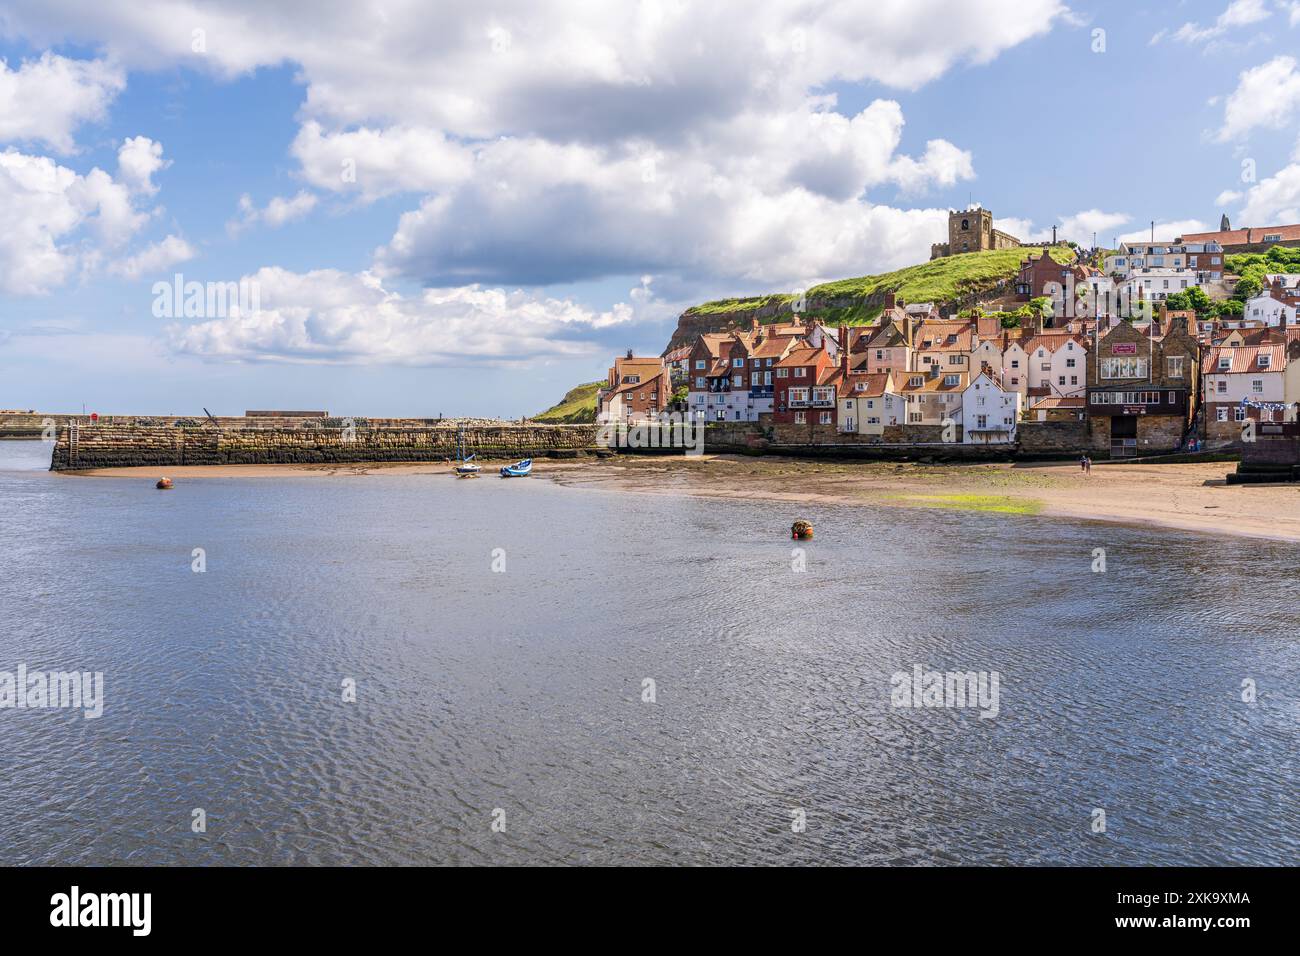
{"x":1074,"y":380}
{"x":1223,"y":414}
{"x":783,"y":373}
{"x":738,"y":363}
{"x":1221,"y":387}
{"x":1264,"y":360}
{"x":800,"y":373}
{"x":753,"y":379}
{"x":981,"y":421}
{"x":880,"y":355}
{"x":800,"y":418}
{"x":950,"y":380}
{"x":1015,"y":363}
{"x":1069,"y":363}
{"x":699,"y":399}
{"x":699,"y":364}
{"x":1239,"y":414}
{"x":1175,"y":365}
{"x":1257,"y":386}
{"x":1225,"y":363}
{"x":916,"y":381}
{"x":1124,"y":367}
{"x":737,"y":381}
{"x":798,"y":396}
{"x":826,"y":418}
{"x":1060,"y":380}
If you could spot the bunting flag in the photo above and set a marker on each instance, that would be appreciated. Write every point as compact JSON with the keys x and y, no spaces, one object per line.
{"x":1266,"y":406}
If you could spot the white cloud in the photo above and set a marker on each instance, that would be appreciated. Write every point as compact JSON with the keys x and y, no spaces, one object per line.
{"x":276,"y":213}
{"x":154,"y":258}
{"x":137,"y":160}
{"x":537,"y":213}
{"x":556,"y":68}
{"x":45,"y":100}
{"x":58,"y":221}
{"x":378,"y":162}
{"x":1239,"y":13}
{"x":1272,"y":201}
{"x":1267,"y":95}
{"x":332,"y":317}
{"x":1078,"y":227}
{"x":1166,"y":230}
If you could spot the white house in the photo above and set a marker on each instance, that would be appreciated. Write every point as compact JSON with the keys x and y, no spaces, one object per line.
{"x":989,"y":411}
{"x":1058,"y":361}
{"x":1154,"y":285}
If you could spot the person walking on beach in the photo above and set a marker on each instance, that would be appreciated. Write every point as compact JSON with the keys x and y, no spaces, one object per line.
{"x":1087,"y":464}
{"x":1083,"y":462}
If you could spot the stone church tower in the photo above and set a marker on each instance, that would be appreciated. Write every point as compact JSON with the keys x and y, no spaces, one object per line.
{"x":971,"y":230}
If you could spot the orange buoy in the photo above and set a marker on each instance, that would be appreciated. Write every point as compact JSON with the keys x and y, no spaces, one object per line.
{"x":163,"y":484}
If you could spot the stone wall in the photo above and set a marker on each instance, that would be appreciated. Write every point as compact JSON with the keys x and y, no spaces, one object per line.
{"x":108,"y":446}
{"x":1063,"y":438}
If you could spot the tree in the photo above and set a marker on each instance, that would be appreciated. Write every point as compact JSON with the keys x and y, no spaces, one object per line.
{"x":1247,"y":286}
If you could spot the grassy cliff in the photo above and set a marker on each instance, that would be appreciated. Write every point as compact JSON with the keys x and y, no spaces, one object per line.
{"x":578,"y":407}
{"x":860,"y":301}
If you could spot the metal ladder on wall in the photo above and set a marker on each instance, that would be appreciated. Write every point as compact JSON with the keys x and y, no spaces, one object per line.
{"x":72,"y":444}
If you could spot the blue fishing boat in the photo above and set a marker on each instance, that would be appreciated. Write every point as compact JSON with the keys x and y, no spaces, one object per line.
{"x":519,"y":469}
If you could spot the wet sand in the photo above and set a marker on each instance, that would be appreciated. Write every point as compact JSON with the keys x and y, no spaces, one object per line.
{"x":1192,"y":497}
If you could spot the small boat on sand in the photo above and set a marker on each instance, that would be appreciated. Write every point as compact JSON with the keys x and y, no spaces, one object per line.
{"x":519,"y":469}
{"x":466,"y":467}
{"x":464,"y":464}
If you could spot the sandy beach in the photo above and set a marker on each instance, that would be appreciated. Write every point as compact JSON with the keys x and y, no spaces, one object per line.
{"x":1192,"y":497}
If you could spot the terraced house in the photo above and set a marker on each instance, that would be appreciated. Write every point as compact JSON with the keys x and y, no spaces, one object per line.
{"x":1243,"y":382}
{"x":1142,"y":388}
{"x":636,"y":389}
{"x":804,"y":388}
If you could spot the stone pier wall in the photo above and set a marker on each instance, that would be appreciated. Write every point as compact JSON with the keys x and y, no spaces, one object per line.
{"x":113,"y":446}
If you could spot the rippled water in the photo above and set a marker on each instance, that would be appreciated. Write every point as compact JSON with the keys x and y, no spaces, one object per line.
{"x":522,"y":691}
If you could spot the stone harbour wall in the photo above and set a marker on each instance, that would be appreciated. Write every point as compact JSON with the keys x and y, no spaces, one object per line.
{"x":115,"y":446}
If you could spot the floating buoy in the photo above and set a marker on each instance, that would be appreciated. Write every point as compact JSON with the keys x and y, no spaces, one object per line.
{"x":163,"y":484}
{"x":801,"y":530}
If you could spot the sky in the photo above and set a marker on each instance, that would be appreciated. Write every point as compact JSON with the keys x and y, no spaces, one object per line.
{"x":466,"y":208}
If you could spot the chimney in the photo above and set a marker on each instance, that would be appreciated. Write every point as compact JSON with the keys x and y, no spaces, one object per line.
{"x":1053,"y":235}
{"x":907,"y":328}
{"x":889,"y":302}
{"x":844,"y":350}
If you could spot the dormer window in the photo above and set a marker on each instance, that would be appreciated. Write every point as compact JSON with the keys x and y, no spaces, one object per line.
{"x":1263,"y":360}
{"x":1225,"y":363}
{"x":915,"y":381}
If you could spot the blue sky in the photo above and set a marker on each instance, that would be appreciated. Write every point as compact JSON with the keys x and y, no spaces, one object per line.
{"x":535,"y":186}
